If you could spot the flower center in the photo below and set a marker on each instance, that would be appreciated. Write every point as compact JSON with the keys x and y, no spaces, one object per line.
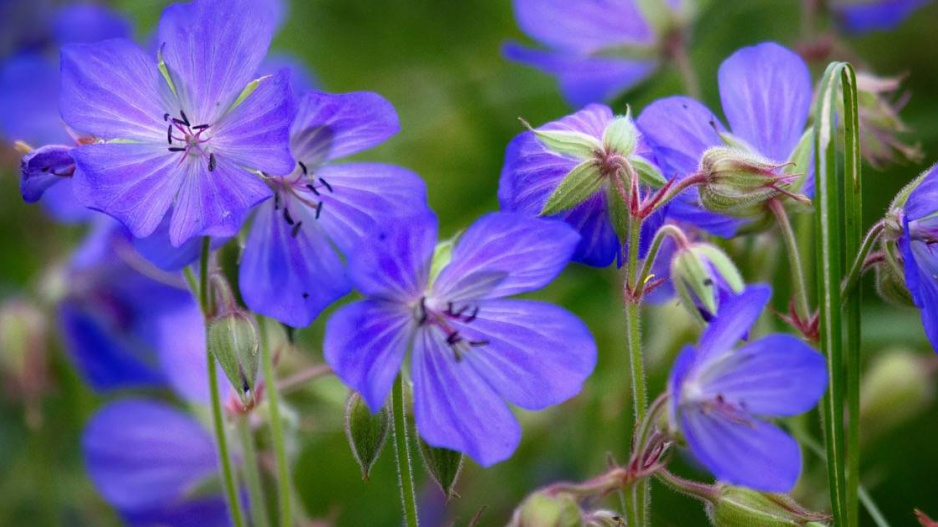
{"x":305,"y":189}
{"x":443,"y":319}
{"x":187,"y":139}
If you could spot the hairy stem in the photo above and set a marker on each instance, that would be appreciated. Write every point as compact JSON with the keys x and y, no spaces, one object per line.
{"x":405,"y":478}
{"x":641,"y":494}
{"x":794,"y":258}
{"x":284,"y":481}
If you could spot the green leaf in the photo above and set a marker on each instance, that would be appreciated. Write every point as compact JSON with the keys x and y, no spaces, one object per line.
{"x":576,"y":187}
{"x":443,"y":465}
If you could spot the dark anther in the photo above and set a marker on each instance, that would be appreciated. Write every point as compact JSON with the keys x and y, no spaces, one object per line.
{"x":286,"y":216}
{"x":473,"y":315}
{"x":708,"y":282}
{"x":303,"y":167}
{"x":200,"y":127}
{"x":312,"y":188}
{"x":326,"y":184}
{"x":184,"y":118}
{"x":305,"y":295}
{"x":276,"y":201}
{"x":169,"y":134}
{"x":180,"y":122}
{"x":453,"y":338}
{"x":211,"y":162}
{"x":423,"y":311}
{"x":318,"y":210}
{"x":176,"y":149}
{"x":478,"y":343}
{"x":296,"y":229}
{"x":165,"y":116}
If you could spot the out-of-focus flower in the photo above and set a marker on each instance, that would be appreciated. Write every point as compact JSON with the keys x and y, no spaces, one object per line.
{"x":292,"y":267}
{"x":719,"y":396}
{"x":577,"y":169}
{"x":880,"y":124}
{"x":766,"y":95}
{"x":24,"y":367}
{"x":898,"y":386}
{"x":598,"y":49}
{"x":188,"y":132}
{"x":860,"y":16}
{"x":472,"y":349}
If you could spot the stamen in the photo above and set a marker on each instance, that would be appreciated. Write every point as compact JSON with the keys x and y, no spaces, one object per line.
{"x":471,"y":317}
{"x":318,"y":210}
{"x":184,"y":118}
{"x":165,"y":116}
{"x":303,"y":168}
{"x":180,"y":122}
{"x":211,"y":162}
{"x":286,"y":216}
{"x":423,"y":312}
{"x":200,"y":127}
{"x":312,"y":188}
{"x":296,"y":229}
{"x":478,"y":343}
{"x":453,"y":338}
{"x":176,"y":149}
{"x":169,"y":134}
{"x":326,"y":184}
{"x":276,"y":201}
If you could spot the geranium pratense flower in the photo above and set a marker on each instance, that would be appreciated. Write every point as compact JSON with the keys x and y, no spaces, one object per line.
{"x":860,"y":16}
{"x":585,"y":152}
{"x":147,"y":459}
{"x":719,"y":396}
{"x":766,"y":95}
{"x":472,"y":349}
{"x":292,"y":266}
{"x":189,"y":134}
{"x":598,"y":49}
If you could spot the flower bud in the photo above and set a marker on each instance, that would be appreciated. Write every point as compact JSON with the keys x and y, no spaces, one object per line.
{"x":366,"y":432}
{"x":444,"y":466}
{"x":545,"y":510}
{"x":740,"y":182}
{"x":742,"y":507}
{"x":233,"y":341}
{"x":704,"y":277}
{"x":890,"y":285}
{"x":42,"y":168}
{"x":880,"y":124}
{"x":897,"y":387}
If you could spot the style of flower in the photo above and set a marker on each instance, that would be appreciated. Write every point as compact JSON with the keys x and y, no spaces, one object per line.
{"x":147,"y":459}
{"x":719,"y":396}
{"x":606,"y":148}
{"x":874,"y":15}
{"x":188,"y":132}
{"x":598,"y":49}
{"x":292,"y":267}
{"x":917,"y":245}
{"x":766,"y":95}
{"x":471,"y":348}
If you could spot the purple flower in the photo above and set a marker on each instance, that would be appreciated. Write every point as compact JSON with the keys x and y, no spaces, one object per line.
{"x":193,"y":139}
{"x":766,"y":95}
{"x":917,"y":245}
{"x":292,"y":266}
{"x":583,"y":39}
{"x":719,"y":396}
{"x":874,"y":15}
{"x":471,"y":348}
{"x":147,"y":459}
{"x":533,"y":171}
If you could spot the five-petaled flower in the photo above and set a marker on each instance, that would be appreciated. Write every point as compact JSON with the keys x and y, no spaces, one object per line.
{"x":292,"y":266}
{"x":917,"y":245}
{"x":189,"y":132}
{"x":472,"y":349}
{"x":719,"y":395}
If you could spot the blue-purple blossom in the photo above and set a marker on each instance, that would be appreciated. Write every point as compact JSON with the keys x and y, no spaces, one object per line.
{"x":147,"y":459}
{"x":766,"y":95}
{"x":472,"y":349}
{"x":917,"y":245}
{"x":533,"y":171}
{"x":597,"y":49}
{"x":860,"y":16}
{"x":720,"y":396}
{"x":293,"y":265}
{"x":190,"y":140}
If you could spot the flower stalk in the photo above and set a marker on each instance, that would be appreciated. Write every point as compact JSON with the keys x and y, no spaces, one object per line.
{"x":284,"y":481}
{"x":405,"y":468}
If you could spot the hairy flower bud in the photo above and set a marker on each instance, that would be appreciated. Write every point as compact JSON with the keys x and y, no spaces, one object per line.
{"x":704,"y":277}
{"x":366,"y":432}
{"x":897,"y":387}
{"x":443,"y":465}
{"x":545,"y":510}
{"x":742,"y":507}
{"x":880,"y":124}
{"x":739,"y":182}
{"x":890,"y":285}
{"x":233,"y":340}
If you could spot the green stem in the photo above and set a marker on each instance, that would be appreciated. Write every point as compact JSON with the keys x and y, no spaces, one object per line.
{"x":284,"y":481}
{"x":405,"y":469}
{"x":666,"y":231}
{"x":856,"y":270}
{"x":218,"y":419}
{"x":642,"y":493}
{"x":252,"y":474}
{"x":794,"y":258}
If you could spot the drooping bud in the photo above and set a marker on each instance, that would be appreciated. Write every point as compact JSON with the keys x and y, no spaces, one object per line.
{"x":704,"y":277}
{"x":546,"y":510}
{"x":742,"y":507}
{"x":444,"y":466}
{"x":366,"y":432}
{"x":890,"y":284}
{"x":43,"y":168}
{"x":880,"y":124}
{"x":739,"y":183}
{"x":897,"y":387}
{"x":233,"y":339}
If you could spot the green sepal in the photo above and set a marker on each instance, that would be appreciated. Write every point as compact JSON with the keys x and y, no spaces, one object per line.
{"x":742,"y":507}
{"x":442,"y":255}
{"x":620,"y":135}
{"x":722,"y":264}
{"x":233,"y":340}
{"x":164,"y":71}
{"x":248,"y":90}
{"x":576,"y":144}
{"x":576,"y":187}
{"x":367,"y":433}
{"x":443,"y":465}
{"x":691,"y":279}
{"x":618,"y":212}
{"x":648,"y":172}
{"x":800,"y":160}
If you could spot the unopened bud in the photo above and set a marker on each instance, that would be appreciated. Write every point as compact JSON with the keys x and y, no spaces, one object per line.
{"x":233,"y":340}
{"x":742,"y":507}
{"x":547,"y":510}
{"x":366,"y":432}
{"x":739,"y":183}
{"x":881,"y":126}
{"x":890,"y":282}
{"x":704,"y":277}
{"x":897,"y":387}
{"x":444,"y":466}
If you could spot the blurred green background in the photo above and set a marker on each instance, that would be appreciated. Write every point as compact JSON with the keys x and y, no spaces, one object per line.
{"x":459,"y":101}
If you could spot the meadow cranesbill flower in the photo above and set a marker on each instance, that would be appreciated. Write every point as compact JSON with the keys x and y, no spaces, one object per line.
{"x":148,"y":460}
{"x":578,"y":169}
{"x":292,"y":267}
{"x":720,"y":395}
{"x":189,"y":132}
{"x":766,"y":95}
{"x":472,"y":349}
{"x":860,"y":16}
{"x":597,"y":49}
